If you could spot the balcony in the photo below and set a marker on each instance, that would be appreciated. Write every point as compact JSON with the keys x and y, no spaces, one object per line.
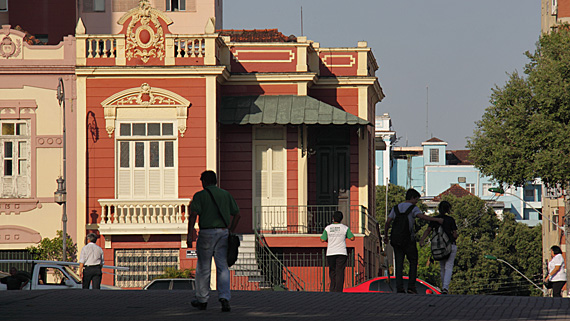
{"x":129,"y":217}
{"x":309,"y":219}
{"x":111,"y":50}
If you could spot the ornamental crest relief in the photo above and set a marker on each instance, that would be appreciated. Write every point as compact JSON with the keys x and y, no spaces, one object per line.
{"x":144,"y":33}
{"x":9,"y":48}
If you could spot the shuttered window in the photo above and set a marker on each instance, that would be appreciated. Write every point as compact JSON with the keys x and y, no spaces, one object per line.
{"x":146,"y":161}
{"x":15,"y":159}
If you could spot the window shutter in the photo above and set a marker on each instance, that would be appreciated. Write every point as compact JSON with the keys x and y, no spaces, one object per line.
{"x":170,"y":182}
{"x":153,"y":183}
{"x":139,"y":187}
{"x":124,"y":183}
{"x":278,"y":175}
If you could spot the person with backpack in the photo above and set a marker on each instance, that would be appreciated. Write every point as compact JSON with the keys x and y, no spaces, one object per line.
{"x":403,"y":239}
{"x":443,"y":245}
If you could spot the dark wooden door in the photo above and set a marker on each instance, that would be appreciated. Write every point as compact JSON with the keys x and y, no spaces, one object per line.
{"x":332,"y":173}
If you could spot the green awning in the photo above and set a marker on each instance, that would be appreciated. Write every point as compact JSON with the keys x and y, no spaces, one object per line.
{"x":283,"y":110}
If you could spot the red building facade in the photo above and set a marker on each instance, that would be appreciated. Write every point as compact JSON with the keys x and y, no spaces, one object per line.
{"x":287,"y":125}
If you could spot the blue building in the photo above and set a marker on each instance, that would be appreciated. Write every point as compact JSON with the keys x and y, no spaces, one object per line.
{"x":432,"y":169}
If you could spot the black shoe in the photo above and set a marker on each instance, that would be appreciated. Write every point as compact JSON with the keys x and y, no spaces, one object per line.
{"x":412,"y":291}
{"x":400,"y":291}
{"x":444,"y":291}
{"x":225,"y":305}
{"x":199,"y":305}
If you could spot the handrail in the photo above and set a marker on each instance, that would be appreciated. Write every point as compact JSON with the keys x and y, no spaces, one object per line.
{"x":299,"y":284}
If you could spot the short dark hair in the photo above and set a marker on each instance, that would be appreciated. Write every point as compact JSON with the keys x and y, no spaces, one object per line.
{"x":444,"y":207}
{"x":92,"y":237}
{"x":412,"y":193}
{"x":209,"y":178}
{"x":556,"y":249}
{"x":337,"y":216}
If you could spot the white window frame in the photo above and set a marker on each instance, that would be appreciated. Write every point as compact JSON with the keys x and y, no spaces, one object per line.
{"x":5,"y":2}
{"x":18,"y":183}
{"x":486,"y":187}
{"x":181,"y":5}
{"x":470,"y":187}
{"x":142,"y":177}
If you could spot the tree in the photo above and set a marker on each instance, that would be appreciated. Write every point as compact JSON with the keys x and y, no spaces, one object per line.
{"x":173,"y":273}
{"x":482,"y":233}
{"x":52,"y":249}
{"x":525,"y":133}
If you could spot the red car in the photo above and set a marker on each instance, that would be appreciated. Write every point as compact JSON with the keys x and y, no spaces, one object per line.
{"x":381,"y":285}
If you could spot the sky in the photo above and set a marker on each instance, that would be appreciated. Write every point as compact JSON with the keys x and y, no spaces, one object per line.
{"x":438,"y":59}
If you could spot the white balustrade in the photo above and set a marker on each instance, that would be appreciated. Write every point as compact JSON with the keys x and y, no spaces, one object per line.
{"x":141,"y":216}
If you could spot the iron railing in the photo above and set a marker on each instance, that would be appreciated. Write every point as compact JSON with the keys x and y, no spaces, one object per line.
{"x":307,"y":219}
{"x":262,"y":270}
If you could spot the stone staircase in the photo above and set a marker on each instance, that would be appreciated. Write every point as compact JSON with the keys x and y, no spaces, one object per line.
{"x":246,"y":264}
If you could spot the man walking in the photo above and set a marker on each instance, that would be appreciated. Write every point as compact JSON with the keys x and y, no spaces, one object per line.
{"x":335,"y":235}
{"x":215,"y":206}
{"x":403,"y":238}
{"x":91,"y":262}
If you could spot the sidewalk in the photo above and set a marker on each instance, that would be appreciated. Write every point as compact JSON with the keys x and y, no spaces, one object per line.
{"x":264,"y":305}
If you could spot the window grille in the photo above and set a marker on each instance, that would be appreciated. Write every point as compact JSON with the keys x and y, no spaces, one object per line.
{"x":434,"y":155}
{"x":144,"y":265}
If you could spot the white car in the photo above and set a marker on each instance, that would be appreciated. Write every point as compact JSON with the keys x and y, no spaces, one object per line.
{"x":50,"y":275}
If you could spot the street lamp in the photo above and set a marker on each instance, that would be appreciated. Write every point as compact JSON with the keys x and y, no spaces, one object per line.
{"x":61,"y":193}
{"x":492,"y":257}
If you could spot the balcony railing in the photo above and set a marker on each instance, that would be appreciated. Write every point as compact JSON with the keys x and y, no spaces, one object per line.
{"x":144,"y":216}
{"x":108,"y":50}
{"x":309,"y":219}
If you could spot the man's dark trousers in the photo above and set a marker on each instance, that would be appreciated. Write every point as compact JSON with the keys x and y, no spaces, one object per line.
{"x":92,"y":273}
{"x":411,"y":253}
{"x":337,"y":263}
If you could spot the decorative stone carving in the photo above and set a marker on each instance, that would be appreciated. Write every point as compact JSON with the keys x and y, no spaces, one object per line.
{"x":9,"y":48}
{"x":145,"y":34}
{"x":145,"y":97}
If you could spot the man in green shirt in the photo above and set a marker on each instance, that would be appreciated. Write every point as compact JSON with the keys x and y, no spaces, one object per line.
{"x":215,"y":206}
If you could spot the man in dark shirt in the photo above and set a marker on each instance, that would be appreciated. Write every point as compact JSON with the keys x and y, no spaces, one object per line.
{"x":215,"y":207}
{"x":14,"y":281}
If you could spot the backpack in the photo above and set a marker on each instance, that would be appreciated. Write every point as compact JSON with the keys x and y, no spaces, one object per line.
{"x":440,"y":244}
{"x":400,"y":235}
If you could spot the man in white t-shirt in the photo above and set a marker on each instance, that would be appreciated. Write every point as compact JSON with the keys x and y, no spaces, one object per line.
{"x":335,"y":235}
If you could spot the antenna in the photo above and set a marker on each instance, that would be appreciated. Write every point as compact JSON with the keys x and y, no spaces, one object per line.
{"x":427,"y":112}
{"x":302,"y":21}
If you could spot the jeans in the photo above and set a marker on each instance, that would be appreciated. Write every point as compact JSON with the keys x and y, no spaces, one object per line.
{"x":337,"y":264}
{"x":411,"y":253}
{"x":212,"y":243}
{"x":446,"y":268}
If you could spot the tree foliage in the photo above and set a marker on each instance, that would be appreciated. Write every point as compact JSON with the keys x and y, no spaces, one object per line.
{"x":173,"y":273}
{"x":482,"y":233}
{"x":525,"y":133}
{"x":52,"y":249}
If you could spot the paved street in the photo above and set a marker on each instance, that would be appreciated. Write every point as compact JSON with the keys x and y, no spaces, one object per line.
{"x":174,"y":305}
